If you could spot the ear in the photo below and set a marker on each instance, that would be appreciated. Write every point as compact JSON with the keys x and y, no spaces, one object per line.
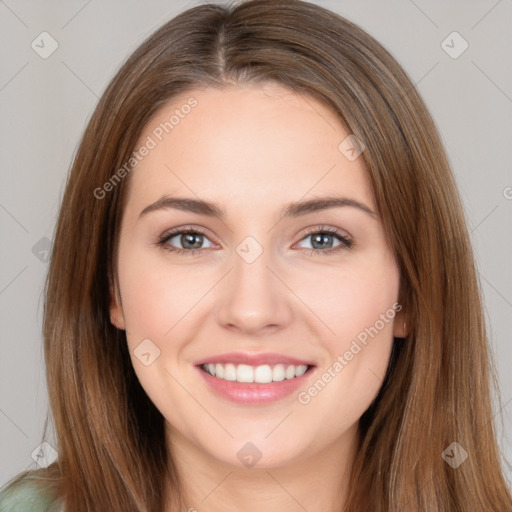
{"x":400,"y":327}
{"x":116,"y":309}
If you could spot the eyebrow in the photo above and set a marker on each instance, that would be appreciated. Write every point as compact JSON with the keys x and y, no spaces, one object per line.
{"x":293,"y":209}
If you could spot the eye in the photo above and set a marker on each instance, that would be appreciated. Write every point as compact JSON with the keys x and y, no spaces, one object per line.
{"x":322,"y":240}
{"x":191,"y":240}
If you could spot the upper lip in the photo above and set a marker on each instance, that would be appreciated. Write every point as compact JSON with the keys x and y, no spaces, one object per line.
{"x":253,"y":359}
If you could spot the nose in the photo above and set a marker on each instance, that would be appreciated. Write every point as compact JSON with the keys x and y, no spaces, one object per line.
{"x":254,"y":299}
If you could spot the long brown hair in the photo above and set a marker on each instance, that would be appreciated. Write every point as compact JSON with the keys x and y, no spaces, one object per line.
{"x":110,"y":437}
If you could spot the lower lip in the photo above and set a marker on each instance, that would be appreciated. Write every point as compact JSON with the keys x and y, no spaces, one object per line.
{"x":252,"y":393}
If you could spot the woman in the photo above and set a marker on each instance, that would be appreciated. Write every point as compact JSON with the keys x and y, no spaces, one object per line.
{"x":229,"y":373}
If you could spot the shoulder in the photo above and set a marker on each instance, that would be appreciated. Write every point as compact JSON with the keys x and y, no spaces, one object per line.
{"x":27,"y":493}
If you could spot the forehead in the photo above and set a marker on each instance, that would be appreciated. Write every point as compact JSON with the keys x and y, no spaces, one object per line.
{"x":243,"y":143}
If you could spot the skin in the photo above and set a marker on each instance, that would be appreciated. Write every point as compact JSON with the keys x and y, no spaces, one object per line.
{"x":252,"y":148}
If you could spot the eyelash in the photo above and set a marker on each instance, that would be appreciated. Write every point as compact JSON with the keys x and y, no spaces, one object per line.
{"x":345,"y":242}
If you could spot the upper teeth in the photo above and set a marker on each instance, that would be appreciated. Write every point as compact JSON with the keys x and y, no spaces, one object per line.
{"x":262,"y":374}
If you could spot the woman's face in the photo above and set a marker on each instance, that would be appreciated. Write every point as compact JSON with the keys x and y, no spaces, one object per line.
{"x":243,"y":292}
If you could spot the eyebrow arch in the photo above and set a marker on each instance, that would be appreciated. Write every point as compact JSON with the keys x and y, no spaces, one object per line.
{"x":293,"y":209}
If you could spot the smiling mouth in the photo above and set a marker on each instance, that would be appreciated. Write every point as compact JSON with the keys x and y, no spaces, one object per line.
{"x":262,"y":374}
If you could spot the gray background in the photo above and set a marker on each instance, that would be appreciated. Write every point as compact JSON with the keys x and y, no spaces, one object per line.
{"x":45,"y":104}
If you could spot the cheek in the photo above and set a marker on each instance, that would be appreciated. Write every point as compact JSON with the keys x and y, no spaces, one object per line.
{"x":154,"y":302}
{"x":359,"y":309}
{"x":366,"y":348}
{"x":368,"y":299}
{"x":350,"y":300}
{"x":154,"y":296}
